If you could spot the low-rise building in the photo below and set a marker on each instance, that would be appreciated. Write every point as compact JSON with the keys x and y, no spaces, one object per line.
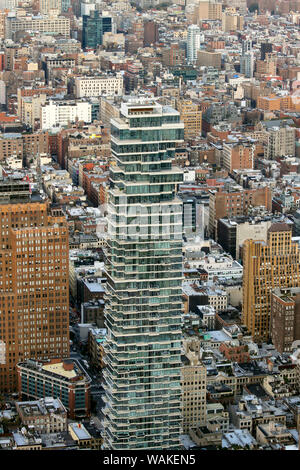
{"x":46,"y":415}
{"x":59,"y":379}
{"x":274,"y":433}
{"x":83,"y":437}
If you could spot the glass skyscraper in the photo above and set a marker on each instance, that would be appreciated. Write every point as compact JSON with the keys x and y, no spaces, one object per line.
{"x":93,"y":27}
{"x":144,"y":267}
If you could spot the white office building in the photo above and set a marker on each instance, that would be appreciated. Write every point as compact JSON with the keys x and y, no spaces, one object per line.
{"x":106,"y":85}
{"x":62,"y":113}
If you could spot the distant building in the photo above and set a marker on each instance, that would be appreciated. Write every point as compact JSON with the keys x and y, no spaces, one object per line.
{"x":47,"y":415}
{"x":35,"y":301}
{"x":150,"y":33}
{"x":83,"y":438}
{"x":173,"y":56}
{"x":209,"y":10}
{"x":265,"y":47}
{"x":93,"y":27}
{"x":63,"y":113}
{"x":233,"y":232}
{"x":193,"y":43}
{"x":107,"y":85}
{"x":267,"y":265}
{"x":193,"y":380}
{"x":45,"y":6}
{"x":209,"y":59}
{"x":238,"y":155}
{"x":55,"y":25}
{"x":191,"y":115}
{"x":232,"y":21}
{"x":236,"y":202}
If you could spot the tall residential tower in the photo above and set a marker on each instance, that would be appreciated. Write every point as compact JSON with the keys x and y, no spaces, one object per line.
{"x":193,"y":43}
{"x":144,"y":266}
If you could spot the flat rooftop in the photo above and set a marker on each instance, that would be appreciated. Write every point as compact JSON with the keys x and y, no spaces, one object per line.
{"x":59,"y":369}
{"x":80,"y":431}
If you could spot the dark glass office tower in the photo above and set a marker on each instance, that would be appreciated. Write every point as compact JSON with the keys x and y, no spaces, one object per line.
{"x":93,"y":27}
{"x":144,"y":267}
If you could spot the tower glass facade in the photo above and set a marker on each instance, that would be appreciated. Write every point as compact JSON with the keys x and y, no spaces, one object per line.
{"x":144,"y":267}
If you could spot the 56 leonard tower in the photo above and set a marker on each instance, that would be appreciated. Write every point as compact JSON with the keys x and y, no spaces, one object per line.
{"x":144,"y":268}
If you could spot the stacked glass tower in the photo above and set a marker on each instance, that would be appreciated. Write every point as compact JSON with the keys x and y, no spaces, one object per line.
{"x":144,"y":267}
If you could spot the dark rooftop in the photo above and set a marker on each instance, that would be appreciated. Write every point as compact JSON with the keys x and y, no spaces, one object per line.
{"x":280,"y":227}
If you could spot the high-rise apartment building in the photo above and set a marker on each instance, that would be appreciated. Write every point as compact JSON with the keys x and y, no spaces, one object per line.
{"x":281,"y":142}
{"x":138,"y":29}
{"x":267,"y":266}
{"x":193,"y":43}
{"x":144,"y":275}
{"x":91,"y":30}
{"x":247,"y":64}
{"x":34,"y":271}
{"x":93,"y":27}
{"x":267,"y":66}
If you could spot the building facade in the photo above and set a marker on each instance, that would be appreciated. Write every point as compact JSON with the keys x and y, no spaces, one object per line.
{"x":109,"y":85}
{"x":34,"y":280}
{"x":193,"y":43}
{"x":47,"y":415}
{"x":193,"y":381}
{"x":237,"y":202}
{"x":267,"y":266}
{"x":57,"y":25}
{"x":93,"y":27}
{"x":65,"y":380}
{"x":209,"y":10}
{"x":144,"y":269}
{"x":191,"y":116}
